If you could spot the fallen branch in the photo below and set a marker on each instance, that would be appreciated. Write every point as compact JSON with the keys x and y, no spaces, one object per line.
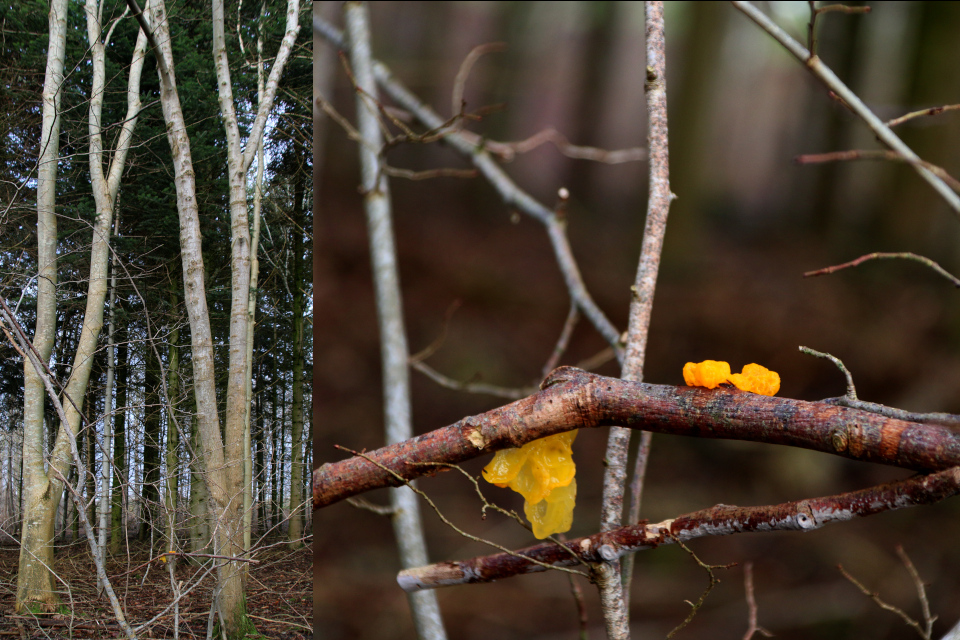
{"x":575,"y":399}
{"x":721,"y":520}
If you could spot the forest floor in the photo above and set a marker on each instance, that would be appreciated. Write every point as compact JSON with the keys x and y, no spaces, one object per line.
{"x":279,"y":593}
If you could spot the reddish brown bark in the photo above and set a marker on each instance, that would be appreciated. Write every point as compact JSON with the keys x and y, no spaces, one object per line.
{"x":574,"y":399}
{"x":802,"y":515}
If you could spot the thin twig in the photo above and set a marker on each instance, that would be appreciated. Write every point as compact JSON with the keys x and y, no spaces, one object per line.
{"x":460,"y":531}
{"x":921,"y":589}
{"x":878,"y":154}
{"x":932,"y":111}
{"x":645,"y":282}
{"x":875,"y":596}
{"x":471,"y":387}
{"x":851,"y":389}
{"x":903,"y":255}
{"x":510,"y":193}
{"x":457,"y":103}
{"x":823,"y":73}
{"x":752,"y":626}
{"x":507,"y":151}
{"x":366,"y":505}
{"x":830,"y":8}
{"x":577,"y":594}
{"x":573,"y":316}
{"x":714,"y":581}
{"x":428,"y":174}
{"x":434,"y":346}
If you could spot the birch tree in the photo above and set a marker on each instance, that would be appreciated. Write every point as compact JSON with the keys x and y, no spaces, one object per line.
{"x":43,"y":486}
{"x":222,"y":457}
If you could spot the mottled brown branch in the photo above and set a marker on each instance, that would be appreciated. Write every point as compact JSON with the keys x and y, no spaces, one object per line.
{"x":878,"y":154}
{"x":932,"y":111}
{"x":720,"y":520}
{"x":575,"y":399}
{"x":904,"y":255}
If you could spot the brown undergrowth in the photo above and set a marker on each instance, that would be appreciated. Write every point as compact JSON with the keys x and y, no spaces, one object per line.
{"x":279,"y":589}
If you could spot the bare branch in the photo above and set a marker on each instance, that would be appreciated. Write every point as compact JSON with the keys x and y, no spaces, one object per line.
{"x":885,"y":606}
{"x":721,"y":520}
{"x":714,"y":581}
{"x":878,"y":154}
{"x":823,"y":73}
{"x":470,"y":387}
{"x":932,"y":111}
{"x":457,"y":102}
{"x":507,"y":151}
{"x":509,"y":192}
{"x":393,"y":346}
{"x":851,"y":389}
{"x":574,"y":399}
{"x":884,"y":256}
{"x":645,"y":282}
{"x":752,"y":626}
{"x":921,"y":590}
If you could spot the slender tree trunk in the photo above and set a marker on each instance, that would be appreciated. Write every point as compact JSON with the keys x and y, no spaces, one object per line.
{"x":106,"y":475}
{"x":222,"y":455}
{"x":199,"y":514}
{"x":34,"y":579}
{"x":117,"y":520}
{"x":150,"y":489}
{"x":252,"y":307}
{"x":172,"y":458}
{"x":260,"y":471}
{"x":295,"y":531}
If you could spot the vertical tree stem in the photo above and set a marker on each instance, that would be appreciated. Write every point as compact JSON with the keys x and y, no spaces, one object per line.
{"x":394,"y":353}
{"x":641,"y":305}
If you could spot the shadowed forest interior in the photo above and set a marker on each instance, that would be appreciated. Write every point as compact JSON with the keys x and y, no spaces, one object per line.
{"x":481,"y":285}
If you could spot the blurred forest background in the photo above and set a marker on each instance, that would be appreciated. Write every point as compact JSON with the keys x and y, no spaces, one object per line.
{"x":748,"y":222}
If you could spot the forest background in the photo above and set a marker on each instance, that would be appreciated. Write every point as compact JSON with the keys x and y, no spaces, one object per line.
{"x":153,"y":458}
{"x":748,"y":222}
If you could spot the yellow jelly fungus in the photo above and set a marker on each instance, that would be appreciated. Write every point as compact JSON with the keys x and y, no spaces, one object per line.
{"x":709,"y":374}
{"x":753,"y":378}
{"x":757,"y":379}
{"x":542,"y":472}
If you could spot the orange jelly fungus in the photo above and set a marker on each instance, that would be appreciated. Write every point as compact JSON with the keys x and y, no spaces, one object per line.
{"x":710,"y":373}
{"x":542,"y":472}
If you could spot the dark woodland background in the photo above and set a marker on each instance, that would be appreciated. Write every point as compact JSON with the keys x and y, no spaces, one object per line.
{"x":747,"y":223}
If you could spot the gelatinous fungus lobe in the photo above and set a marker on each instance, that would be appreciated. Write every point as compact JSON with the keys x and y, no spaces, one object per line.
{"x":711,"y":374}
{"x":542,"y":472}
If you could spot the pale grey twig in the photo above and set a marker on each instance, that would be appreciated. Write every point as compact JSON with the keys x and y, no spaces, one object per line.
{"x":645,"y":283}
{"x":823,"y":73}
{"x":509,"y":192}
{"x":851,"y":389}
{"x":471,"y":387}
{"x":394,"y":353}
